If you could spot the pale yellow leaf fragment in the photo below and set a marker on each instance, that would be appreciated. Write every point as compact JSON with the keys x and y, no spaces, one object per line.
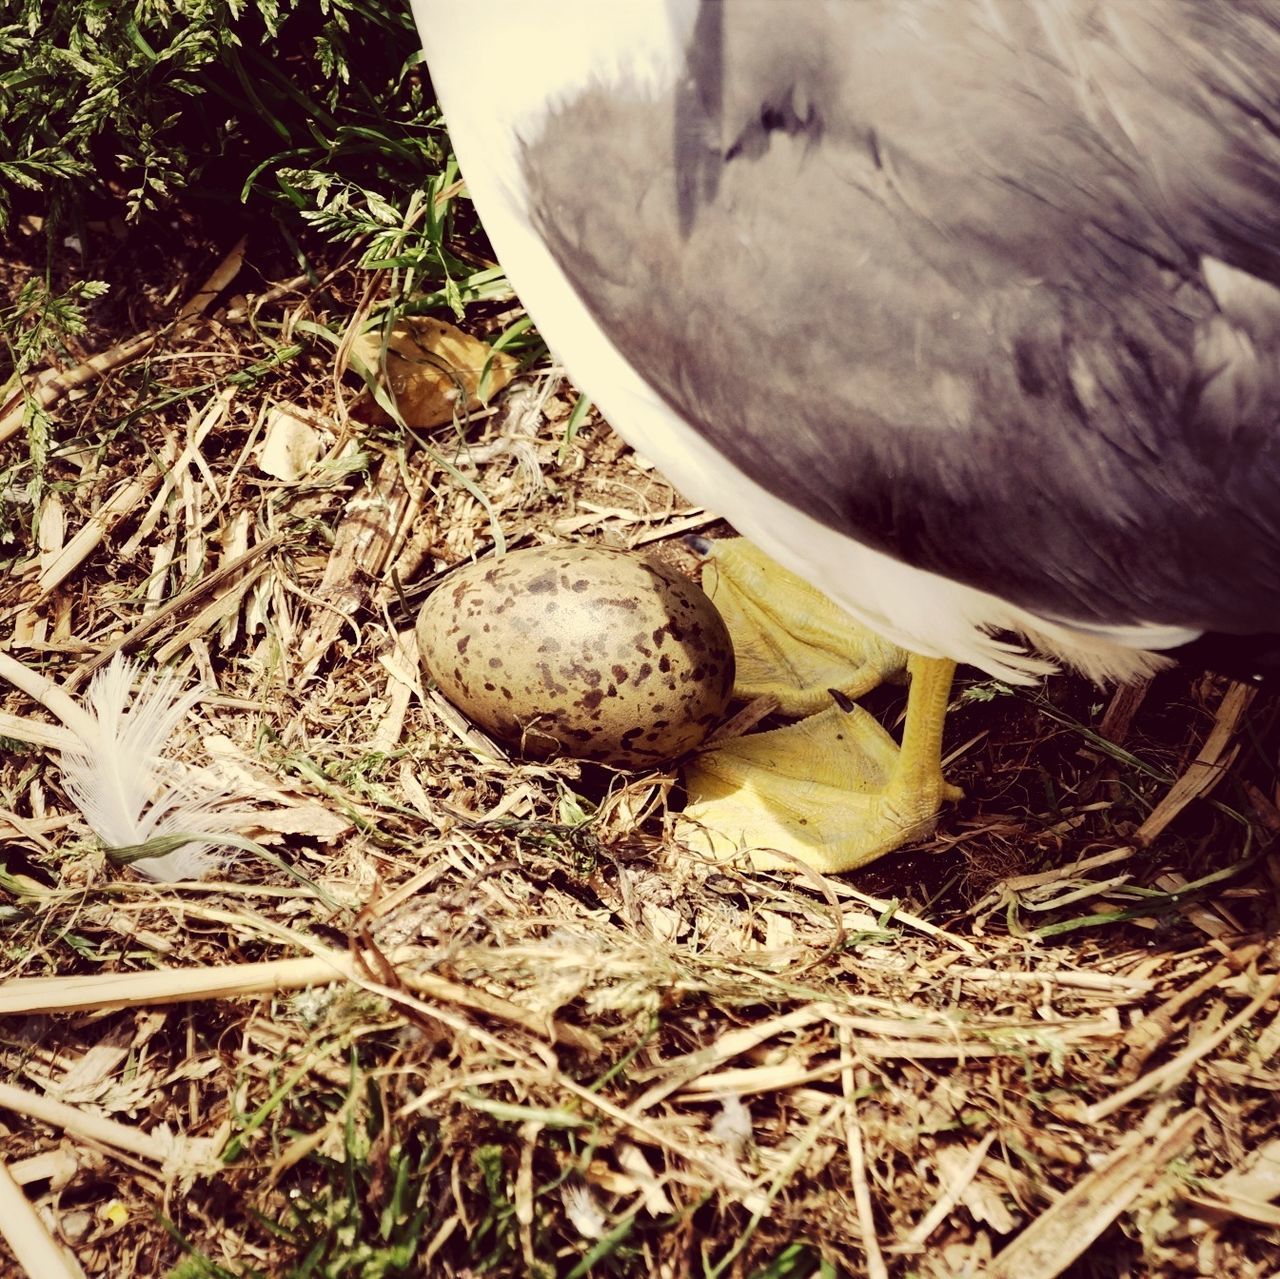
{"x":290,"y":446}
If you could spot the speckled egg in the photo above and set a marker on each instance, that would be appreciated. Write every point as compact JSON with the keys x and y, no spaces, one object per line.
{"x":580,"y":651}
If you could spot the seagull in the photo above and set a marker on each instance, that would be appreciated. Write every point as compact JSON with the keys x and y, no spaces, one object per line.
{"x":965,"y":314}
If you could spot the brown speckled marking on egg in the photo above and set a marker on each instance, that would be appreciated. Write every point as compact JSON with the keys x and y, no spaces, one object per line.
{"x":580,"y":651}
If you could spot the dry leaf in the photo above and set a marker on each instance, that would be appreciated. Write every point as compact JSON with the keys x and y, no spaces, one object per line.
{"x":633,"y":1161}
{"x":290,"y":446}
{"x":428,"y":365}
{"x":294,"y":812}
{"x":982,"y":1199}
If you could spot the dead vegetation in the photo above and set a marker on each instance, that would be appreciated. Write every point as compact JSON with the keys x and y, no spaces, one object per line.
{"x":501,"y":1024}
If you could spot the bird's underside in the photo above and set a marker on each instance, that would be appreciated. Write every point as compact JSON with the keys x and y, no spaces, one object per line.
{"x":989,"y":287}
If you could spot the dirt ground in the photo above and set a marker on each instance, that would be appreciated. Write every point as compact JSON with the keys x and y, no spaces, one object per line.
{"x":482,"y":1016}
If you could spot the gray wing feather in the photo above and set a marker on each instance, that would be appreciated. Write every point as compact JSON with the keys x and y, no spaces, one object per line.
{"x":936,"y":273}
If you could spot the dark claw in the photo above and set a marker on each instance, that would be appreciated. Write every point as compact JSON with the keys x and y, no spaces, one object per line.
{"x":842,"y":700}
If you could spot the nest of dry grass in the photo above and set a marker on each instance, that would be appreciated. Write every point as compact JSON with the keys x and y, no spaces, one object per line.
{"x":504,"y":1026}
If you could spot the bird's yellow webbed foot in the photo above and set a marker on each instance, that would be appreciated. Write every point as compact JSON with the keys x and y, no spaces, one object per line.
{"x":790,"y":641}
{"x":833,"y":791}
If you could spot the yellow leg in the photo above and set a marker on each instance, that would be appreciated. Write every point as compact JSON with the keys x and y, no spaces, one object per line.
{"x":917,"y":787}
{"x":832,"y":792}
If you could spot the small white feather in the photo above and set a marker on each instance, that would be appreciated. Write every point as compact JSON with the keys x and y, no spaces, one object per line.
{"x":126,"y":787}
{"x":732,"y":1127}
{"x":583,"y":1211}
